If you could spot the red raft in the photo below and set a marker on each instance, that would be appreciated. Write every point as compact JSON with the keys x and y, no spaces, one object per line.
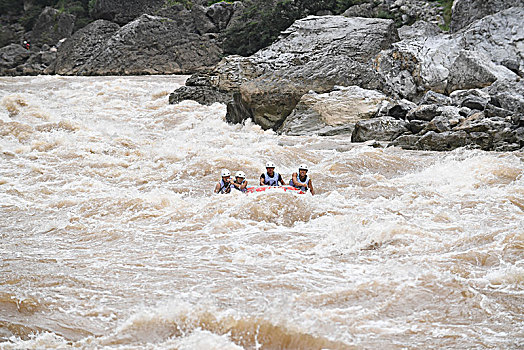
{"x":289,"y":189}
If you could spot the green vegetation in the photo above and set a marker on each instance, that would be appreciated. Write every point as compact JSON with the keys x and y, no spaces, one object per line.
{"x":211,"y":2}
{"x":79,"y":8}
{"x":186,"y":3}
{"x":446,"y":9}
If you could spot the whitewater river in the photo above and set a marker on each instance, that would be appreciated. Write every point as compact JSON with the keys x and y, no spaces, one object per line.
{"x":111,"y":236}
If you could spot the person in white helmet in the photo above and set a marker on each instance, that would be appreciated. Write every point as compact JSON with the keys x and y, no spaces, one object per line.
{"x":270,"y":177}
{"x":240,"y":182}
{"x":224,"y":185}
{"x":301,"y":180}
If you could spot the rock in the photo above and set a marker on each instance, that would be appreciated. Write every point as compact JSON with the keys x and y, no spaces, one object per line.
{"x":445,"y":141}
{"x":508,"y":94}
{"x":315,"y":53}
{"x":12,"y":56}
{"x":221,"y":14}
{"x":85,"y":44}
{"x":423,"y":112}
{"x":206,"y":95}
{"x":149,"y":45}
{"x":465,"y":12}
{"x":416,"y":126}
{"x":438,"y":124}
{"x":360,"y":10}
{"x":432,"y":97}
{"x":400,"y":108}
{"x":472,"y":70}
{"x":474,"y":102}
{"x":463,"y":97}
{"x":419,"y":29}
{"x":444,"y":63}
{"x":38,"y":62}
{"x":237,"y":111}
{"x":51,"y":26}
{"x":321,"y":113}
{"x":408,"y":142}
{"x":380,"y":129}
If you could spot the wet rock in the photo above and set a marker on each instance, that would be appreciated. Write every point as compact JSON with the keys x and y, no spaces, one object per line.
{"x":51,"y":26}
{"x":445,"y":141}
{"x":408,"y":142}
{"x":379,"y":129}
{"x":205,"y":95}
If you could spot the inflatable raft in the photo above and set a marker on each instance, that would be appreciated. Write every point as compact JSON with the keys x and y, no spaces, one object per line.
{"x":288,"y":189}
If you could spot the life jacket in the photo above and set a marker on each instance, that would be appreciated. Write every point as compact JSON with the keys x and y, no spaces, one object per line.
{"x":303,"y":188}
{"x":238,"y":189}
{"x":271,"y":181}
{"x":224,"y":187}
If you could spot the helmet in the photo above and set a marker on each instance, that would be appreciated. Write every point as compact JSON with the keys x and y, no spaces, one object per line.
{"x":240,"y":174}
{"x":303,"y":167}
{"x":225,"y":172}
{"x":270,"y":165}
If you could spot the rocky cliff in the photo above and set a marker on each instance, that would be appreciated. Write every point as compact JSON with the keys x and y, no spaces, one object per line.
{"x":417,"y":88}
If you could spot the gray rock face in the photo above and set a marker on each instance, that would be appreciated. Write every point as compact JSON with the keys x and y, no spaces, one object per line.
{"x":379,"y":129}
{"x":465,"y":12}
{"x":12,"y":56}
{"x":444,"y":63}
{"x":203,"y":95}
{"x":332,"y":113}
{"x":52,"y":26}
{"x":148,"y":45}
{"x":76,"y":52}
{"x":315,"y":53}
{"x":419,"y":29}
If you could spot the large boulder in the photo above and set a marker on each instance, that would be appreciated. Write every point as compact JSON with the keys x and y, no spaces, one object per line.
{"x":379,"y":129}
{"x":315,"y":53}
{"x":78,"y":50}
{"x":465,"y":12}
{"x":472,"y":58}
{"x":12,"y":56}
{"x":148,"y":45}
{"x":332,"y":113}
{"x":51,"y":26}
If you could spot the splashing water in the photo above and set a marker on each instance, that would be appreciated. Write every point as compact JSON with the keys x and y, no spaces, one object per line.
{"x":111,"y":236}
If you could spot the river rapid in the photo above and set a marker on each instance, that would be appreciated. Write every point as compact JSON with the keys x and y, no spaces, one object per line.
{"x":111,"y":236}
